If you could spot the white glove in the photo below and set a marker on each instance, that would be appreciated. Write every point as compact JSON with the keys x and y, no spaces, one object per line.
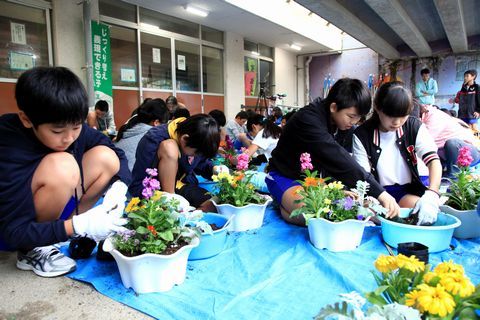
{"x":97,"y":223}
{"x":220,"y":168}
{"x":184,"y":204}
{"x":427,"y":208}
{"x":115,"y":198}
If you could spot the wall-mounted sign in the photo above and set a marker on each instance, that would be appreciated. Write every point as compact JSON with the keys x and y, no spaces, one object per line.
{"x":181,"y":62}
{"x":21,"y":61}
{"x":157,"y":58}
{"x":18,"y":33}
{"x":127,"y":75}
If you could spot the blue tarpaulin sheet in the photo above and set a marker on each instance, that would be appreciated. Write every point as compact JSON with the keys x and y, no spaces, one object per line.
{"x":269,"y":273}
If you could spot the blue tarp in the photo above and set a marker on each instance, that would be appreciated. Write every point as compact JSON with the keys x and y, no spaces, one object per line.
{"x":270,"y":273}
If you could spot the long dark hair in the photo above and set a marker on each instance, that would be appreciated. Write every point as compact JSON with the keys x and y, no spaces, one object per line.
{"x":393,"y":99}
{"x":202,"y":133}
{"x":270,"y":129}
{"x":151,"y":110}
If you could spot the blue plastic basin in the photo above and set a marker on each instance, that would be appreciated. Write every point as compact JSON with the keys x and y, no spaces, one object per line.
{"x":211,"y":244}
{"x":436,"y":237}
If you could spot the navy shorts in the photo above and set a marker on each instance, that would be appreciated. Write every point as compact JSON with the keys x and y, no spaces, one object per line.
{"x":470,"y":120}
{"x":278,"y":184}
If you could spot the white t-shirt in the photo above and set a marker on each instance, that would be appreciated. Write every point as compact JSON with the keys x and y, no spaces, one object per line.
{"x":265,"y":145}
{"x":391,"y":167}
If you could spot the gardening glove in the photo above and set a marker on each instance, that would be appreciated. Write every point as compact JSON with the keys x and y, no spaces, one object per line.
{"x":220,"y":168}
{"x":115,"y":198}
{"x":97,"y":223}
{"x":427,"y":208}
{"x":184,"y":204}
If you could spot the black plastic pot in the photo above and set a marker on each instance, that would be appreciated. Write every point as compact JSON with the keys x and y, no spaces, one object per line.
{"x":414,"y":249}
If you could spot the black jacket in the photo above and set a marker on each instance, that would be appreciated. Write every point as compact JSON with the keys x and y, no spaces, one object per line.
{"x":310,"y":130}
{"x":20,"y":154}
{"x":468,"y":101}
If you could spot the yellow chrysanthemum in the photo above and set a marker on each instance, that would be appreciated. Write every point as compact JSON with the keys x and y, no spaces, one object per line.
{"x":410,"y":263}
{"x":411,"y":299}
{"x":156,"y":195}
{"x":385,"y":263}
{"x":132,"y":205}
{"x":327,"y":201}
{"x":435,"y":300}
{"x":457,"y":284}
{"x":335,"y":185}
{"x":215,"y":178}
{"x":224,"y":175}
{"x":449,"y":267}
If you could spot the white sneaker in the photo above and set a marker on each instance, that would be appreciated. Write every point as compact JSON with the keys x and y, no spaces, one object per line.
{"x":46,"y":262}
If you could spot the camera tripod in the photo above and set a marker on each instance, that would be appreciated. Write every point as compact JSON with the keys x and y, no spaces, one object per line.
{"x":262,"y":99}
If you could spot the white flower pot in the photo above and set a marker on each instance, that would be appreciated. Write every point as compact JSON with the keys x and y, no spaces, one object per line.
{"x":244,"y":218}
{"x":152,"y":272}
{"x":470,"y":227}
{"x":336,"y":236}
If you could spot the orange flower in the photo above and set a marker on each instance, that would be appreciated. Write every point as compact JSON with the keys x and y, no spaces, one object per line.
{"x":152,"y":230}
{"x":223,"y":144}
{"x":239,"y":177}
{"x":311,"y":182}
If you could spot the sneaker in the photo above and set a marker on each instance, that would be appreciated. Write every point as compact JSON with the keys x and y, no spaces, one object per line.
{"x":46,"y":262}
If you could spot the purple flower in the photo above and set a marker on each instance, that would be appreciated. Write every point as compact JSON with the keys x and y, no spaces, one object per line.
{"x":242,"y":163}
{"x":154,"y":184}
{"x":305,"y":161}
{"x":348,"y":203}
{"x":152,"y":172}
{"x":360,"y":217}
{"x":146,"y":182}
{"x":147,"y":193}
{"x":127,"y":234}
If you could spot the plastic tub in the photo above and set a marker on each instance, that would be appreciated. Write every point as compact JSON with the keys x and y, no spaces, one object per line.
{"x":211,"y":244}
{"x":436,"y":237}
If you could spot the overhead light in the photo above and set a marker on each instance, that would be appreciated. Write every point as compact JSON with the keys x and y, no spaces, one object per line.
{"x":295,"y":47}
{"x":255,"y":53}
{"x":197,"y":11}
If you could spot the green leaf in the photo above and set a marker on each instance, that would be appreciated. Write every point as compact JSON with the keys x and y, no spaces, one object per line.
{"x":166,"y":235}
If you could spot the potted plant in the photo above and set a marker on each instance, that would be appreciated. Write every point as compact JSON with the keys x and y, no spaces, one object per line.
{"x":235,"y":196}
{"x":463,"y":196}
{"x":152,"y":253}
{"x":408,"y":289}
{"x":335,"y":218}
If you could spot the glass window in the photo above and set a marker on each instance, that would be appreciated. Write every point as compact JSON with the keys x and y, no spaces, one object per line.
{"x":266,"y":76}
{"x":124,"y":57}
{"x":212,"y":35}
{"x":23,"y":41}
{"x":118,"y":9}
{"x":169,"y":23}
{"x":212,"y":67}
{"x":250,"y":46}
{"x":250,"y":76}
{"x":187,"y":57}
{"x":156,"y":62}
{"x":265,"y":50}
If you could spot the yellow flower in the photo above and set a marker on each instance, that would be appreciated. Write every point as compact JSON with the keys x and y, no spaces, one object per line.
{"x":449,"y":267}
{"x":327,"y":201}
{"x":215,"y":178}
{"x":410,"y":263}
{"x":457,"y":284}
{"x":132,"y":205}
{"x":435,"y":300}
{"x":156,"y":195}
{"x":411,"y":299}
{"x":385,"y":263}
{"x":224,"y":175}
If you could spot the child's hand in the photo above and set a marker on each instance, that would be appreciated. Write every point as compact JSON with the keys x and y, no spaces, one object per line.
{"x":389,"y":203}
{"x":427,"y":208}
{"x":115,"y":198}
{"x":97,"y":223}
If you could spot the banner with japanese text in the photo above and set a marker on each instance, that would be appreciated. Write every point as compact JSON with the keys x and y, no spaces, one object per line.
{"x":102,"y":63}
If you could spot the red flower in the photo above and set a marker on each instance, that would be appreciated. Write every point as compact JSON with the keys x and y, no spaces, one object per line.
{"x":152,"y":230}
{"x":464,"y":158}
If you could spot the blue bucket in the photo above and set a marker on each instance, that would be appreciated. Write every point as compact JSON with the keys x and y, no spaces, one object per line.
{"x":436,"y":237}
{"x":211,"y":244}
{"x":206,"y":184}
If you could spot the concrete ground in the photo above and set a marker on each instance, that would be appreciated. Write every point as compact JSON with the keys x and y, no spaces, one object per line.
{"x":26,"y":296}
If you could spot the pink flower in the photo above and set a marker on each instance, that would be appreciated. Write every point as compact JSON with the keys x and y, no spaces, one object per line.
{"x":305,"y":161}
{"x":242,"y":163}
{"x":152,"y":172}
{"x":464,"y":158}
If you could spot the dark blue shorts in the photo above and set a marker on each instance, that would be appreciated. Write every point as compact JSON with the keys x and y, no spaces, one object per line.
{"x":278,"y":184}
{"x":470,"y":120}
{"x":399,"y":191}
